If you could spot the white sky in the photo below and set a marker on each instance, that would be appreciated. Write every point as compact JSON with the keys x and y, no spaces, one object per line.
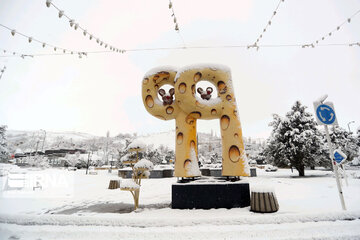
{"x":103,"y":91}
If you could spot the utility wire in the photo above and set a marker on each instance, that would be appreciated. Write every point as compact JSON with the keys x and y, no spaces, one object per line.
{"x":188,"y":48}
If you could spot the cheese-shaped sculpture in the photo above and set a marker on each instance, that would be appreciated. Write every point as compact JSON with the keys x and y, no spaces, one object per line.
{"x":187,"y":108}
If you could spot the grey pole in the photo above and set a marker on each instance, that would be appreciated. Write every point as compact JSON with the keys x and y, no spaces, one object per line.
{"x":335,"y":167}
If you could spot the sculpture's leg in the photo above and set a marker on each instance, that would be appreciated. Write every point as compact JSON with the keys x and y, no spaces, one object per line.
{"x":186,"y":162}
{"x":233,"y":153}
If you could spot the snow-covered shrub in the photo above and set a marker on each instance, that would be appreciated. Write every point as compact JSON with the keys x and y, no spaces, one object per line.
{"x":144,"y":164}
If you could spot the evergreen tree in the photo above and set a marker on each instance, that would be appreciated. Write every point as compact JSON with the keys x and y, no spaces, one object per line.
{"x":345,"y":141}
{"x":4,"y":153}
{"x":295,"y":140}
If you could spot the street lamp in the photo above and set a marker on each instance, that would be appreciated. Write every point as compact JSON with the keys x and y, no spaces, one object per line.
{"x":349,"y":125}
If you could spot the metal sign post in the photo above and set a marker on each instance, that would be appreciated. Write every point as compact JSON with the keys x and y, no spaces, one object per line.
{"x":340,"y":158}
{"x":325,"y":115}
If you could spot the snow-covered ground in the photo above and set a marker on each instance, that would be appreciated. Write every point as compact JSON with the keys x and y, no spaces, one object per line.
{"x":309,"y":209}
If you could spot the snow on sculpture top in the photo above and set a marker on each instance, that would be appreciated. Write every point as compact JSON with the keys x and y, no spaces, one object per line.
{"x":187,"y":108}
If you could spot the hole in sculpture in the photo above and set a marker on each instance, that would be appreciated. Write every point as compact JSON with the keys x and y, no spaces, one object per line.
{"x":234,"y":153}
{"x":180,"y":138}
{"x":206,"y":90}
{"x":182,"y":88}
{"x":165,"y":94}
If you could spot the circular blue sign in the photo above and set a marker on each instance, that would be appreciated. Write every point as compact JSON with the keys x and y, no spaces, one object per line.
{"x":325,"y":114}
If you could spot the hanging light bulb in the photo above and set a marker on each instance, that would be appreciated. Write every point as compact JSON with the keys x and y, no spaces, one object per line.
{"x":76,"y":26}
{"x":269,"y":22}
{"x":338,"y":28}
{"x":72,"y":52}
{"x":13,"y":32}
{"x":61,"y":13}
{"x":106,"y":45}
{"x":349,"y":20}
{"x":84,"y":32}
{"x":101,"y":43}
{"x":274,"y":13}
{"x":43,"y":45}
{"x":97,"y":40}
{"x":329,"y":33}
{"x":14,"y":53}
{"x":64,"y":51}
{"x":55,"y":49}
{"x":30,"y":39}
{"x":48,"y":2}
{"x":90,"y":37}
{"x":174,"y":19}
{"x":170,"y":4}
{"x":71,"y":22}
{"x":176,"y":27}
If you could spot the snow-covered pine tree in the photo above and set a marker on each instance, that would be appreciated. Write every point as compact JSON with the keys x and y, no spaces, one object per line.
{"x":346,"y":141}
{"x":295,"y":140}
{"x":4,"y":153}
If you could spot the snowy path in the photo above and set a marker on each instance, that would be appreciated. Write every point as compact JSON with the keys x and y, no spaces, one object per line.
{"x":309,"y":209}
{"x":313,"y":230}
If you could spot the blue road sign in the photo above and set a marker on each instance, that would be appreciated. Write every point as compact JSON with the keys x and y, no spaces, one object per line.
{"x":325,"y":114}
{"x":338,"y":157}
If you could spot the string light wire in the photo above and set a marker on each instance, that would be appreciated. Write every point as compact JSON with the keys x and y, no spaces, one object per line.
{"x":171,"y":7}
{"x":76,"y":26}
{"x":44,"y":44}
{"x":325,"y":36}
{"x":268,"y":24}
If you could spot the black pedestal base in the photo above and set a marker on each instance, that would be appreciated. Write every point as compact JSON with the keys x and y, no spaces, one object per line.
{"x":210,"y":193}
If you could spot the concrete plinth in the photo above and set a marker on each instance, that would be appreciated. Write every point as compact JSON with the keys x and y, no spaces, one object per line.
{"x":210,"y":193}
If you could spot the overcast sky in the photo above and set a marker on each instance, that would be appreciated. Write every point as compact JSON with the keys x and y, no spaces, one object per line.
{"x":103,"y":91}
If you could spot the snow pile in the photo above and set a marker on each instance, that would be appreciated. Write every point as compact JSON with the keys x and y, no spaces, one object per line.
{"x":212,"y":66}
{"x":144,"y":164}
{"x":193,"y":167}
{"x":129,"y":184}
{"x":210,"y":102}
{"x":137,"y":143}
{"x":160,"y":69}
{"x":176,"y":220}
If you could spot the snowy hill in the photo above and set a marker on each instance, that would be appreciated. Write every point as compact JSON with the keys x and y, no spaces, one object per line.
{"x":13,"y":135}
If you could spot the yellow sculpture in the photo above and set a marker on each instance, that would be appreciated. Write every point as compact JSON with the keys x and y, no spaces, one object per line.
{"x":187,"y":108}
